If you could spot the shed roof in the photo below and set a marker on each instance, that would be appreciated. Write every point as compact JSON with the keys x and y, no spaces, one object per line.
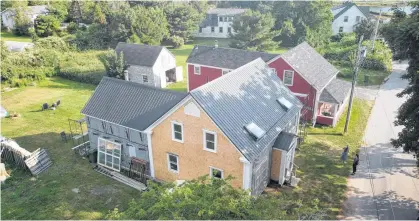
{"x":336,"y":92}
{"x":285,"y":141}
{"x":347,"y":6}
{"x":137,"y":54}
{"x":245,"y":95}
{"x":311,"y":65}
{"x":130,"y":104}
{"x":229,"y":58}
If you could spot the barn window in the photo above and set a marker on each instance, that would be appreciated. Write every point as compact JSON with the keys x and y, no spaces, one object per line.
{"x":109,"y":154}
{"x":288,"y":77}
{"x":220,"y":29}
{"x":212,"y":29}
{"x":145,"y":79}
{"x":197,"y":70}
{"x":345,"y":19}
{"x":358,"y":18}
{"x":216,"y":173}
{"x":340,"y":29}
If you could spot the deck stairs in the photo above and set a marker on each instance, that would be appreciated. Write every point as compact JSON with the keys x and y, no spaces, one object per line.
{"x":121,"y":178}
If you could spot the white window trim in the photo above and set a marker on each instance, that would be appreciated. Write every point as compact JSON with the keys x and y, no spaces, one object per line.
{"x":339,"y":29}
{"x":227,"y":70}
{"x":197,"y":66}
{"x":292,"y":79}
{"x":98,"y":152}
{"x":177,"y":163}
{"x":173,"y":131}
{"x":274,"y":70}
{"x":214,"y":168}
{"x":204,"y":132}
{"x":144,"y":75}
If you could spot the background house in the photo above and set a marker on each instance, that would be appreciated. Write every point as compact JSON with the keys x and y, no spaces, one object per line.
{"x":206,"y":63}
{"x":346,"y":16}
{"x":151,"y":65}
{"x":7,"y":16}
{"x":117,"y":115}
{"x":217,"y":23}
{"x":232,"y":126}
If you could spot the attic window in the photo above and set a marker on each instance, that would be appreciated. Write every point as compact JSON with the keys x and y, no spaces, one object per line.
{"x":284,"y":103}
{"x":254,"y":130}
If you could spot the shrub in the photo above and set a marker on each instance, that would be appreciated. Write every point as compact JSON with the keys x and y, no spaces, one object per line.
{"x":47,"y":25}
{"x":72,"y":28}
{"x":22,"y":22}
{"x":55,"y":43}
{"x":177,"y":41}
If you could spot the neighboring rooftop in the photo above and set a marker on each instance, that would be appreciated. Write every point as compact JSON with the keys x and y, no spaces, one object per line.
{"x":33,"y":10}
{"x":226,"y":11}
{"x":229,"y":58}
{"x":336,"y":91}
{"x":130,"y":104}
{"x":248,"y":95}
{"x":137,"y":54}
{"x":311,"y":65}
{"x":340,"y":9}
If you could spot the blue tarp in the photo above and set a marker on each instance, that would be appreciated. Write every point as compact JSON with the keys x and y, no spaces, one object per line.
{"x":3,"y":112}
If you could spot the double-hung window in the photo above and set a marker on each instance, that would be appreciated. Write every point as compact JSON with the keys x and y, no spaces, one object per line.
{"x":177,"y":132}
{"x":225,"y":71}
{"x":358,"y":18}
{"x":212,"y":29}
{"x":173,"y":163}
{"x":288,"y":77}
{"x":345,"y":19}
{"x":220,"y":29}
{"x":216,"y":173}
{"x":210,"y":141}
{"x":109,"y":154}
{"x":197,"y":70}
{"x":145,"y":79}
{"x":340,"y":29}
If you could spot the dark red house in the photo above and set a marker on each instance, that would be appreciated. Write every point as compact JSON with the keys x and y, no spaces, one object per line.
{"x":306,"y":73}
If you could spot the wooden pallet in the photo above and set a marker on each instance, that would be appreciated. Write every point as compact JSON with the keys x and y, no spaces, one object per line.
{"x":121,"y":178}
{"x":38,"y":162}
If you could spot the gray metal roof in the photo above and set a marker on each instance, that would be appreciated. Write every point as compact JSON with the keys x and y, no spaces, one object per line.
{"x":311,"y":65}
{"x":226,"y":11}
{"x":130,"y":104}
{"x":285,"y":141}
{"x":229,"y":58}
{"x":346,"y":6}
{"x":136,"y":54}
{"x":336,"y":91}
{"x":248,"y":94}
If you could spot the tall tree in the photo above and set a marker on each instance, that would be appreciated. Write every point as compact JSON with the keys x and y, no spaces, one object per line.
{"x":114,"y":64}
{"x":183,"y":19}
{"x":74,"y":12}
{"x":46,"y":25}
{"x":22,"y":21}
{"x":254,"y":31}
{"x":303,"y":21}
{"x":366,"y":27}
{"x":150,"y":25}
{"x":407,"y":31}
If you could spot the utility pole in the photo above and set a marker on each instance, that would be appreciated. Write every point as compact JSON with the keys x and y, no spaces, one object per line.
{"x":375,"y":31}
{"x":361,"y":53}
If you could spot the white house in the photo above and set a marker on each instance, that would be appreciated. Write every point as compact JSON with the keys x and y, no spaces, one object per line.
{"x":151,"y":65}
{"x":8,"y":15}
{"x":346,"y":17}
{"x":218,"y":23}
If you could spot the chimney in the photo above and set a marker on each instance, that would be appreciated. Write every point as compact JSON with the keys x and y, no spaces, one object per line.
{"x":216,"y":44}
{"x":126,"y":76}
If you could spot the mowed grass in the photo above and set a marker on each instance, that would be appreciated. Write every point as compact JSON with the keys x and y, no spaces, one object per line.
{"x":9,"y":36}
{"x":366,"y":77}
{"x":323,"y":175}
{"x":50,"y":195}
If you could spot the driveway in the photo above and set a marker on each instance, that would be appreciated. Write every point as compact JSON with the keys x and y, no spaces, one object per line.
{"x":386,"y":185}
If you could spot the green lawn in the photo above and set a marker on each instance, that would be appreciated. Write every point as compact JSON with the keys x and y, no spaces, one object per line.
{"x":50,"y":195}
{"x":8,"y":36}
{"x":323,"y":176}
{"x":374,"y":77}
{"x":183,"y":53}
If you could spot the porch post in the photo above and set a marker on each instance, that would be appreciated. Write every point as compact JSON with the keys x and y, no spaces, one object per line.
{"x":247,"y":174}
{"x":150,"y":152}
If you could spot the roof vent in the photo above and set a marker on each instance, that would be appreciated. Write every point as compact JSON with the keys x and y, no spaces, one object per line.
{"x":284,"y":103}
{"x":255,"y":131}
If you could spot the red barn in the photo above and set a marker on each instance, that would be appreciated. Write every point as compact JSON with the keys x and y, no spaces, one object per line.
{"x":306,"y":73}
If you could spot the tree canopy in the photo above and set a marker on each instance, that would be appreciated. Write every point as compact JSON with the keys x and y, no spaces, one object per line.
{"x":303,"y":21}
{"x":402,"y":33}
{"x":254,"y":31}
{"x":366,"y":27}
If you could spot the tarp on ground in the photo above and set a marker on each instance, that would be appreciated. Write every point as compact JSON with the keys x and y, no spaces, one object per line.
{"x":3,"y":112}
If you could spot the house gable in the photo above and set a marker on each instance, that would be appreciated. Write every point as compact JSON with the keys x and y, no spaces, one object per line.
{"x":206,"y":75}
{"x":193,"y":160}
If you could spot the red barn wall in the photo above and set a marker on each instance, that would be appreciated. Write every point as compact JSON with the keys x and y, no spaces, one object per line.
{"x":300,"y":85}
{"x":207,"y":74}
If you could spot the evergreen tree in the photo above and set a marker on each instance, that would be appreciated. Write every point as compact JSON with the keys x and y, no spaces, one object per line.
{"x":254,"y":31}
{"x":407,"y":31}
{"x":183,"y":19}
{"x":150,"y":25}
{"x":114,"y":64}
{"x":47,"y":25}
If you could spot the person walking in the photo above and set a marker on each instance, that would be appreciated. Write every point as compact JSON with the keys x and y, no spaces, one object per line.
{"x":344,"y":155}
{"x":355,"y":164}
